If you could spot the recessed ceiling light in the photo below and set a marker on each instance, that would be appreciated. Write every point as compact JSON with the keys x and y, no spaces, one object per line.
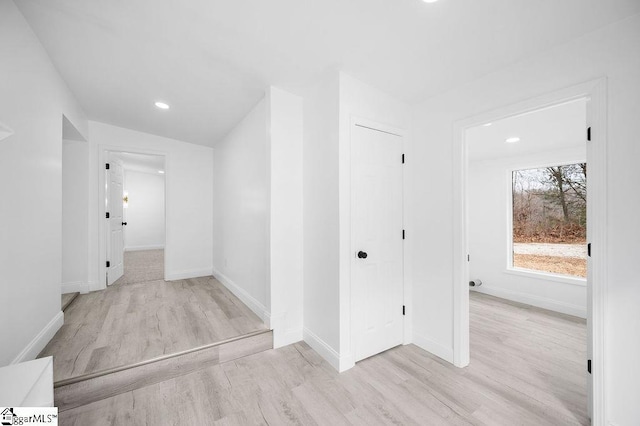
{"x":161,"y":172}
{"x":429,"y":1}
{"x":162,"y":105}
{"x":487,"y":125}
{"x":512,"y":140}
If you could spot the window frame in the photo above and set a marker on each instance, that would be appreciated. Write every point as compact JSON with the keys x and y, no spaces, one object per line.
{"x":533,"y":273}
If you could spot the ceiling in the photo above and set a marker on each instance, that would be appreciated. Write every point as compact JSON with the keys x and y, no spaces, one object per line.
{"x":144,"y":163}
{"x":212,"y":59}
{"x":560,"y":127}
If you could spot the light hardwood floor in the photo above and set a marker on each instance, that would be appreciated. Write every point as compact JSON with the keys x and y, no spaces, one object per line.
{"x":527,"y":368}
{"x":132,"y":322}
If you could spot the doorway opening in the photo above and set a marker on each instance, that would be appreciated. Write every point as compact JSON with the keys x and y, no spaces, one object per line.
{"x":527,"y":230}
{"x":135,"y":212}
{"x":594,"y":134}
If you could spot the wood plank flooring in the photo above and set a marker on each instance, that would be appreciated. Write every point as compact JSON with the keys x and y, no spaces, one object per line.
{"x":527,"y":368}
{"x":132,"y":322}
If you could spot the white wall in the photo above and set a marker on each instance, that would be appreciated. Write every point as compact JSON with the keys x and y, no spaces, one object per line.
{"x":33,"y":99}
{"x":285,"y":131}
{"x":241,"y":213}
{"x":75,"y":220}
{"x":321,"y":246}
{"x":145,"y":211}
{"x":612,"y":52}
{"x":189,"y":199}
{"x":489,"y":201}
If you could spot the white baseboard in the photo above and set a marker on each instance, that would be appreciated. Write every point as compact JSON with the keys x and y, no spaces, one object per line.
{"x":533,"y":300}
{"x":141,"y":248}
{"x":38,"y":343}
{"x":286,"y":338}
{"x":322,"y":348}
{"x":258,"y":308}
{"x":283,"y":333}
{"x":76,"y":286}
{"x":340,"y":363}
{"x":183,"y":275}
{"x":435,"y":348}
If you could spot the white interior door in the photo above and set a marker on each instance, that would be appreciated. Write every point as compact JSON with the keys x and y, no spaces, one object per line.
{"x":115,"y":238}
{"x":376,"y":241}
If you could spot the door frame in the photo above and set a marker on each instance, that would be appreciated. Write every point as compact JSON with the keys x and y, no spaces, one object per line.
{"x":347,"y":358}
{"x":596,"y":94}
{"x":103,"y":156}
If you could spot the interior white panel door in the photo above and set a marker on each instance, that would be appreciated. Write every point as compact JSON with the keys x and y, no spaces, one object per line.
{"x":376,"y":224}
{"x":115,"y":240}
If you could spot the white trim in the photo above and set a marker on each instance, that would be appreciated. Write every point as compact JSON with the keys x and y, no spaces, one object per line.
{"x":75,"y":286}
{"x":423,"y":342}
{"x":281,"y":339}
{"x":596,"y":94}
{"x":38,"y":343}
{"x":327,"y":352}
{"x":190,"y":273}
{"x":534,"y":300}
{"x":547,"y":276}
{"x":282,"y":336}
{"x":142,"y":248}
{"x":258,"y":308}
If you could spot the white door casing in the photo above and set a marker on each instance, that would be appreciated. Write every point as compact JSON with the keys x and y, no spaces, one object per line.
{"x":115,"y":237}
{"x":376,"y":229}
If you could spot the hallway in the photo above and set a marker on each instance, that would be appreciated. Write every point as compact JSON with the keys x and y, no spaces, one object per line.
{"x":142,"y":317}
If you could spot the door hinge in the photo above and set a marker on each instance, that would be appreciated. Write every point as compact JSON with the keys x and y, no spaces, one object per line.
{"x":403,"y":234}
{"x":402,"y":158}
{"x":108,"y":264}
{"x":589,"y":366}
{"x":107,"y":215}
{"x":589,"y":249}
{"x":468,"y":258}
{"x":403,"y":310}
{"x":106,"y":166}
{"x":588,"y":133}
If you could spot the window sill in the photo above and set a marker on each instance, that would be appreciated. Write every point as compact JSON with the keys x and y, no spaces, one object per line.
{"x":529,"y":273}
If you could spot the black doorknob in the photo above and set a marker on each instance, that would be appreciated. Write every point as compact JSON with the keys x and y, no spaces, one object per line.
{"x":124,"y":223}
{"x":362,"y":254}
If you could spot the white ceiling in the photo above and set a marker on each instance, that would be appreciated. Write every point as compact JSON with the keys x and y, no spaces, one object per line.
{"x":212,"y":59}
{"x":144,"y":163}
{"x":560,"y":127}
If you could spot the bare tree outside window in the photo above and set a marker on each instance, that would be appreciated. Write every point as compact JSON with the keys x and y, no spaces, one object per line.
{"x":550,"y":219}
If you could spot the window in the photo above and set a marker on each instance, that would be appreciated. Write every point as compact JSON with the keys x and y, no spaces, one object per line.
{"x":549,"y":206}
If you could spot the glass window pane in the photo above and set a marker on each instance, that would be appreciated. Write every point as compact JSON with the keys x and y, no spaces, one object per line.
{"x":550,"y":219}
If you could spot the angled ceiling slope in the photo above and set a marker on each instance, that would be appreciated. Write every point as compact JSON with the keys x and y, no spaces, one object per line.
{"x":211,"y":60}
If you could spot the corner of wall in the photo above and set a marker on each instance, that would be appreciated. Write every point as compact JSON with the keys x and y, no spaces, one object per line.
{"x":256,"y":307}
{"x":339,"y":362}
{"x":441,"y":351}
